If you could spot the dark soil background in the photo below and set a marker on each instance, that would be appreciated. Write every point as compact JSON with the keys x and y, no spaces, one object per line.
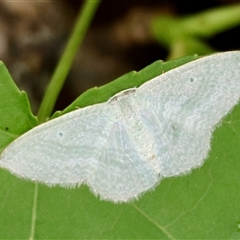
{"x":33,"y":35}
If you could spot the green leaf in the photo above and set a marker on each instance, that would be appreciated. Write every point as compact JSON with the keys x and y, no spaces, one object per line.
{"x":200,"y":205}
{"x":15,"y":113}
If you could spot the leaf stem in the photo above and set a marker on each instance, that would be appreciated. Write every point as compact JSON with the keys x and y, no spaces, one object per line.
{"x":65,"y":63}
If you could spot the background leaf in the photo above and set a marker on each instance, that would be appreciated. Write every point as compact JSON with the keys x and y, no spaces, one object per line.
{"x":184,"y":35}
{"x":203,"y":204}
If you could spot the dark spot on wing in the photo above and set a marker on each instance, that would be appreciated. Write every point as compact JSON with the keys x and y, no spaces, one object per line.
{"x":191,"y":80}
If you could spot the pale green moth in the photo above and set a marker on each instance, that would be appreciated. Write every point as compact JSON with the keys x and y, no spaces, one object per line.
{"x":125,"y":146}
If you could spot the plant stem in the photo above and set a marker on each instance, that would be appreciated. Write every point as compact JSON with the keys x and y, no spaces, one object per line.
{"x":65,"y":63}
